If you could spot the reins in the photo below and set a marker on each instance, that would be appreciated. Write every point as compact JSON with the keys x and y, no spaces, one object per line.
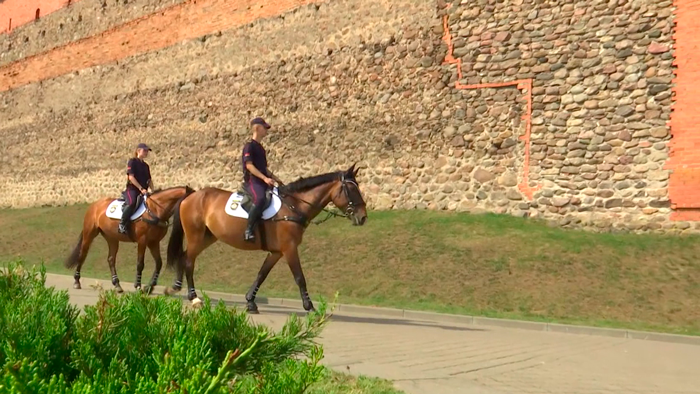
{"x":156,"y":221}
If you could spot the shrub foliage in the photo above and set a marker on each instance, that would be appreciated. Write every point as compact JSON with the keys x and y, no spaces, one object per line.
{"x":132,"y":343}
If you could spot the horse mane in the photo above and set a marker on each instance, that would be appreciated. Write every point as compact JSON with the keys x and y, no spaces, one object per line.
{"x":170,"y":188}
{"x":304,"y":184}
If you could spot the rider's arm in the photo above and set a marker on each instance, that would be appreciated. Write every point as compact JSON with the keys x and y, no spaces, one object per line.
{"x":253,"y":170}
{"x":135,"y":182}
{"x":150,"y":180}
{"x":274,"y":177}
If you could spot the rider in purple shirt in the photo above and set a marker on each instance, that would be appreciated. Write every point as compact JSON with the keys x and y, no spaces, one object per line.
{"x":139,"y":181}
{"x":256,"y":176}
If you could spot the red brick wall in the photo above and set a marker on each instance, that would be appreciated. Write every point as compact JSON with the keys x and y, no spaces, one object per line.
{"x":684,"y":183}
{"x":15,"y":13}
{"x":188,"y":20}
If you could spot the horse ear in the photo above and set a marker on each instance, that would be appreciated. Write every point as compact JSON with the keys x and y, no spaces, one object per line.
{"x":351,"y":170}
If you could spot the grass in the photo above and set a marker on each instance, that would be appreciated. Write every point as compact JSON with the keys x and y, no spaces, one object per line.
{"x":340,"y":383}
{"x":488,"y":265}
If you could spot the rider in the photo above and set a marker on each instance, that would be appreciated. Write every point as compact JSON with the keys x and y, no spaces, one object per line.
{"x":139,"y":181}
{"x":256,"y":176}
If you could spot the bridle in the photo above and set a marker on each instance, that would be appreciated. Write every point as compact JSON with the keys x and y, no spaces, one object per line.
{"x":301,"y":219}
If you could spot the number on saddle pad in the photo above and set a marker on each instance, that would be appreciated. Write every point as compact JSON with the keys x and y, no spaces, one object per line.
{"x":114,"y":210}
{"x":239,"y":204}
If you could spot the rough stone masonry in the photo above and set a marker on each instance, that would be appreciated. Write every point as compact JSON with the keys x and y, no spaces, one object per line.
{"x":346,"y":81}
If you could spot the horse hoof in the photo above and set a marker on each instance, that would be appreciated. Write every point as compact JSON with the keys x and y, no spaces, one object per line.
{"x":118,"y":289}
{"x":252,"y":307}
{"x":170,"y":291}
{"x":77,"y":286}
{"x":138,"y":288}
{"x":149,"y":289}
{"x":197,"y":303}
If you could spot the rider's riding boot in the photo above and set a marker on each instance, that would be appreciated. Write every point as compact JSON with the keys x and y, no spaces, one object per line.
{"x":253,"y":216}
{"x":126,"y":215}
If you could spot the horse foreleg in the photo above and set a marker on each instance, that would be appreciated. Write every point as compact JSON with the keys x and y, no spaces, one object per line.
{"x":292,"y":257}
{"x":112,"y":261}
{"x":155,"y":252}
{"x":140,"y":265}
{"x":268,"y":264}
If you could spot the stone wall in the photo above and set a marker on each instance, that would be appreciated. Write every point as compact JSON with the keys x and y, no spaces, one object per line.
{"x":439,"y":123}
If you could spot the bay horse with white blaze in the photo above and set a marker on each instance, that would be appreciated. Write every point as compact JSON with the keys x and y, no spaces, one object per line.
{"x":212,"y":214}
{"x":148,"y":227}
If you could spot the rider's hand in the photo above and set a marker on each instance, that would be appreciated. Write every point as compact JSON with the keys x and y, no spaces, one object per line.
{"x":270,"y":181}
{"x":144,"y":191}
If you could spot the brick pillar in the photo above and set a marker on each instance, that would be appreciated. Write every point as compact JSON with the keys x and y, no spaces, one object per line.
{"x":684,"y":159}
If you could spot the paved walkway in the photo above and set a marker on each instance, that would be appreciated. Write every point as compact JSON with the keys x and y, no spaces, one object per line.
{"x":430,"y":358}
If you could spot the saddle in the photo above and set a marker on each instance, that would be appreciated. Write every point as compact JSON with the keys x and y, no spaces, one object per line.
{"x":247,"y":201}
{"x":122,"y":199}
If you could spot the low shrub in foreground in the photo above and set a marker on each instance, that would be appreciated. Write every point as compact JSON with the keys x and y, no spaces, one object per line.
{"x":133,"y":343}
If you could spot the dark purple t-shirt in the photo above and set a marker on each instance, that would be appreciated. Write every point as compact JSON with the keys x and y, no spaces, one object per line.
{"x":140,"y":170}
{"x":255,"y":153}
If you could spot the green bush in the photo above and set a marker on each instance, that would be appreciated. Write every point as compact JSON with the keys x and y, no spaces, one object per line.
{"x":133,"y":343}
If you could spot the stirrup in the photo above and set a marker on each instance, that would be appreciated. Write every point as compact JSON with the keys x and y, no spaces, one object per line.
{"x":249,"y":235}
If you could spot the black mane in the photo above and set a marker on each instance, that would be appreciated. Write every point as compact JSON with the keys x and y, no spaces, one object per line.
{"x":304,"y":184}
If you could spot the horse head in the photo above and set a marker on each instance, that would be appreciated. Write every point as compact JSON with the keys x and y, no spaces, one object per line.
{"x":349,"y":198}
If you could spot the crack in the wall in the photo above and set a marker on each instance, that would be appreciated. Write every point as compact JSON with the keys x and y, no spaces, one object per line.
{"x":521,"y":84}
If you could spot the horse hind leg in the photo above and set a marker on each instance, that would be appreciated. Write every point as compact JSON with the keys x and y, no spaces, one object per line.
{"x":79,"y":254}
{"x":195,"y":245}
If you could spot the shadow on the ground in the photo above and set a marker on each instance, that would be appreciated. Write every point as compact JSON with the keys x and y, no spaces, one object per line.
{"x":281,"y":310}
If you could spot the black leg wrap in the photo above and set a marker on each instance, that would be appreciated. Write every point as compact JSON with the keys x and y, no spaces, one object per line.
{"x":252,"y":294}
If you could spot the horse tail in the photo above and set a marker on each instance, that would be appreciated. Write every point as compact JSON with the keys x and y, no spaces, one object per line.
{"x":74,"y":258}
{"x":177,"y":235}
{"x":81,"y":249}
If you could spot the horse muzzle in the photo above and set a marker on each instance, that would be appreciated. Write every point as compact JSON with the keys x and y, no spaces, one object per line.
{"x":359,"y":220}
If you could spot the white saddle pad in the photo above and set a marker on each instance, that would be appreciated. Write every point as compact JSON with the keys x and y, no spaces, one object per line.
{"x":233,"y":206}
{"x":114,"y":210}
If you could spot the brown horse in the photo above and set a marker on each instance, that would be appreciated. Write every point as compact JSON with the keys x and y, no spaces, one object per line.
{"x":147,"y":231}
{"x":209,"y":214}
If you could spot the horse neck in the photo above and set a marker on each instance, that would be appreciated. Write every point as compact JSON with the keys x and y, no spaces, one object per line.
{"x":319,"y":197}
{"x":165,"y":201}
